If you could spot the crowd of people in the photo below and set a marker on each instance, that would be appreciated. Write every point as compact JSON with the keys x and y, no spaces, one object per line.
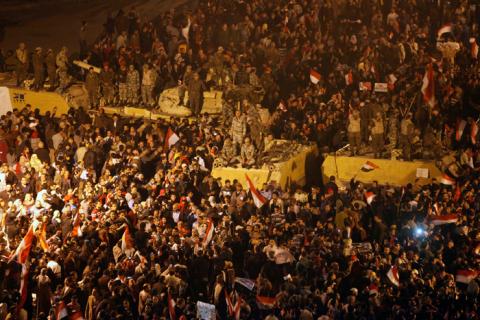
{"x":105,"y":217}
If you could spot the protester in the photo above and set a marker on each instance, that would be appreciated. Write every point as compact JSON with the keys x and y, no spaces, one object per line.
{"x":108,"y":217}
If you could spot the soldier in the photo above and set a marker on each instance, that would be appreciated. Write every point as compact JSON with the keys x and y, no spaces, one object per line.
{"x":228,"y":153}
{"x":106,"y":78}
{"x":22,"y":63}
{"x":195,"y":94}
{"x":183,"y":84}
{"x":353,"y":129}
{"x":238,"y":128}
{"x":217,"y":63}
{"x":38,"y":68}
{"x":393,"y":128}
{"x":50,"y":61}
{"x":406,"y":134}
{"x":148,"y":81}
{"x":92,"y":85}
{"x":122,"y":85}
{"x":62,"y":65}
{"x":247,"y":154}
{"x":253,"y":121}
{"x":377,"y":130}
{"x":133,"y":83}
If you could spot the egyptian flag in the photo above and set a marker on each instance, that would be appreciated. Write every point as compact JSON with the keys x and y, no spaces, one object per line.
{"x":369,"y":196}
{"x":127,"y":241}
{"x":61,"y":311}
{"x":314,"y":76}
{"x":460,"y":128}
{"x":42,"y":238}
{"x":171,"y":307}
{"x":392,"y":275}
{"x":447,"y":180}
{"x":78,"y":315}
{"x":465,"y":276}
{"x":349,"y":78}
{"x":170,"y":139}
{"x":391,"y":80}
{"x":365,"y":86}
{"x":444,"y":29}
{"x":208,"y":233}
{"x":445,"y":219}
{"x":474,"y":132}
{"x":233,"y":309}
{"x":373,"y":289}
{"x":258,"y":198}
{"x":428,"y":86}
{"x":458,"y":193}
{"x":369,"y":166}
{"x":76,"y":231}
{"x":266,"y":303}
{"x":23,"y":287}
{"x":473,"y":48}
{"x":23,"y":249}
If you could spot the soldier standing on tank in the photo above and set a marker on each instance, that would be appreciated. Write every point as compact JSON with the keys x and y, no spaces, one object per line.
{"x":108,"y":89}
{"x":377,"y":130}
{"x":238,"y":129}
{"x":195,"y":94}
{"x":38,"y":68}
{"x":22,"y":63}
{"x":354,"y":125}
{"x":183,"y":85}
{"x":50,"y":62}
{"x":133,"y":84}
{"x":365,"y":120}
{"x":92,"y":84}
{"x":148,"y":81}
{"x":62,"y":65}
{"x":122,"y":85}
{"x":406,"y":135}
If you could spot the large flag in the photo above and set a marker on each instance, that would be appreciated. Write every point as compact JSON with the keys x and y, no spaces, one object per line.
{"x":76,"y":231}
{"x":233,"y":308}
{"x":460,"y":128}
{"x":392,"y":275}
{"x":369,"y":196}
{"x":258,"y":198}
{"x":447,"y":180}
{"x":473,"y":48}
{"x":458,"y":193}
{"x":42,"y":238}
{"x":438,"y":220}
{"x":247,"y":283}
{"x":78,"y":315}
{"x":428,"y":86}
{"x":170,"y":139}
{"x":265,"y":303}
{"x":208,"y":233}
{"x":23,"y":287}
{"x":447,"y":28}
{"x":314,"y":76}
{"x":127,"y":241}
{"x":465,"y":276}
{"x":23,"y":249}
{"x":474,"y":132}
{"x":61,"y":311}
{"x":369,"y":166}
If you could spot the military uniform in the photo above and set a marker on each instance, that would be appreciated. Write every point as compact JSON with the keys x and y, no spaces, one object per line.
{"x":378,"y":141}
{"x":238,"y":130}
{"x":133,"y":84}
{"x":406,"y":135}
{"x":62,"y":65}
{"x":122,"y":86}
{"x":148,"y":81}
{"x":354,"y":126}
{"x":50,"y":61}
{"x":182,"y":88}
{"x":228,"y":153}
{"x":22,"y":65}
{"x":108,"y":88}
{"x":253,"y":120}
{"x":38,"y":68}
{"x":195,"y":95}
{"x":92,"y":84}
{"x":247,"y":155}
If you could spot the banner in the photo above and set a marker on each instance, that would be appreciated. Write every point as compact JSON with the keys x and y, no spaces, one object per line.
{"x":5,"y":102}
{"x":205,"y":311}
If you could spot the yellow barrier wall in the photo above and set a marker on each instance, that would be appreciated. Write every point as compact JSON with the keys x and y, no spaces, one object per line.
{"x":44,"y":101}
{"x":393,"y":172}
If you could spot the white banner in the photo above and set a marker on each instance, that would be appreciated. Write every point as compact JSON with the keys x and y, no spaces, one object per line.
{"x":5,"y":102}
